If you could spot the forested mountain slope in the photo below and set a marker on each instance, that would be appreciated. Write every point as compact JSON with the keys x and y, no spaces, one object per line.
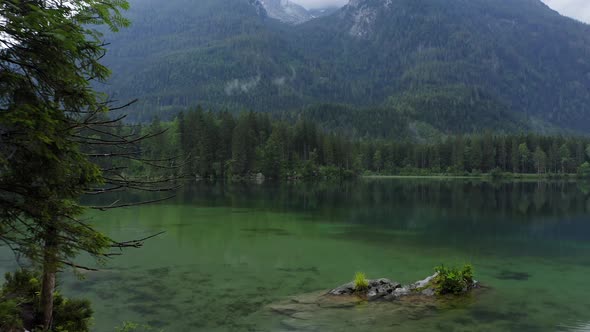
{"x":456,"y":65}
{"x":182,"y":52}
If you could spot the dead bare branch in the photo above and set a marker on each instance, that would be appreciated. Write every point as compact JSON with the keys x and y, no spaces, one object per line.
{"x":135,"y":243}
{"x":118,"y":206}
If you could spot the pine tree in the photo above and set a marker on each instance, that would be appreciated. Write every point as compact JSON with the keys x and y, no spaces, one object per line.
{"x":378,"y":160}
{"x":244,"y":142}
{"x":540,"y":159}
{"x":49,"y":57}
{"x":489,"y":152}
{"x":523,"y":156}
{"x":224,"y":146}
{"x":553,"y":157}
{"x":273,"y":154}
{"x":502,"y":154}
{"x":459,"y":154}
{"x":564,"y":158}
{"x":515,"y":156}
{"x":476,"y":154}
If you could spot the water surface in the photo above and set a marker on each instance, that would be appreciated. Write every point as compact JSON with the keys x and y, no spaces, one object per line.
{"x":231,"y":250}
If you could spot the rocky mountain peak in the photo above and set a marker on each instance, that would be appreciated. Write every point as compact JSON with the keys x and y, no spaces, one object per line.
{"x":362,"y":14}
{"x":283,"y":10}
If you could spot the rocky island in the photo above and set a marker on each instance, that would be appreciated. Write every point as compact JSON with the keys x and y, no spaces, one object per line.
{"x":443,"y":281}
{"x":377,"y":299}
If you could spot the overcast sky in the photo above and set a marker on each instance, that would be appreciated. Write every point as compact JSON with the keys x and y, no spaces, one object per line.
{"x":311,"y":4}
{"x":579,"y":9}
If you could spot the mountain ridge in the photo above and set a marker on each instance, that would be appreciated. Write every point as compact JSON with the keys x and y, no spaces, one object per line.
{"x":518,"y":54}
{"x":288,"y":11}
{"x":284,"y":11}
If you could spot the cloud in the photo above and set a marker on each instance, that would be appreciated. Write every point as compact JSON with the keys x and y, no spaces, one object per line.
{"x":578,"y":9}
{"x":237,"y":86}
{"x":279,"y":81}
{"x":315,"y":4}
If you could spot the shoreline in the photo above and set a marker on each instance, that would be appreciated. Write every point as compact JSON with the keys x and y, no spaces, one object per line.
{"x":486,"y":177}
{"x":423,"y":176}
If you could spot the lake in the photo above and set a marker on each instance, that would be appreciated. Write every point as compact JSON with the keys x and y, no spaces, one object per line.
{"x":231,"y":250}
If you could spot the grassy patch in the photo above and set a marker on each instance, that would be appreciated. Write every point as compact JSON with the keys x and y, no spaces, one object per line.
{"x":360,"y":282}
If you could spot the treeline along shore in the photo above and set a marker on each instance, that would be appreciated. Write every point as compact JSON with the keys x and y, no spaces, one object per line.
{"x":224,"y":145}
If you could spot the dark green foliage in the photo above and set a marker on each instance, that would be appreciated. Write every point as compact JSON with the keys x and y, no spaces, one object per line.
{"x":22,"y":283}
{"x":498,"y":174}
{"x":452,"y":280}
{"x":273,"y":153}
{"x":245,"y":139}
{"x":72,"y":315}
{"x":458,"y":155}
{"x":253,"y":143}
{"x":355,"y":122}
{"x":19,"y":300}
{"x":10,"y":316}
{"x":584,"y":170}
{"x":19,"y":306}
{"x":457,"y":109}
{"x":49,"y":116}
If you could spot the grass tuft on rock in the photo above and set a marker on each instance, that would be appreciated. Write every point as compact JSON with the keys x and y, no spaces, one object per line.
{"x":360,"y":282}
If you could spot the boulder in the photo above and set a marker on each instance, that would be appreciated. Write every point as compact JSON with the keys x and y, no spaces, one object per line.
{"x":377,"y":289}
{"x":346,"y":289}
{"x":380,"y":288}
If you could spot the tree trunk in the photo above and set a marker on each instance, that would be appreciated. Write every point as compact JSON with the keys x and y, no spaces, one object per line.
{"x":49,"y":273}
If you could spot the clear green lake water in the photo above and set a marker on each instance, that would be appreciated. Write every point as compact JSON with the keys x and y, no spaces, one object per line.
{"x":230,"y":251}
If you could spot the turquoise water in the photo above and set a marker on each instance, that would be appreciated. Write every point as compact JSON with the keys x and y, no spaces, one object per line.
{"x":230,"y":251}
